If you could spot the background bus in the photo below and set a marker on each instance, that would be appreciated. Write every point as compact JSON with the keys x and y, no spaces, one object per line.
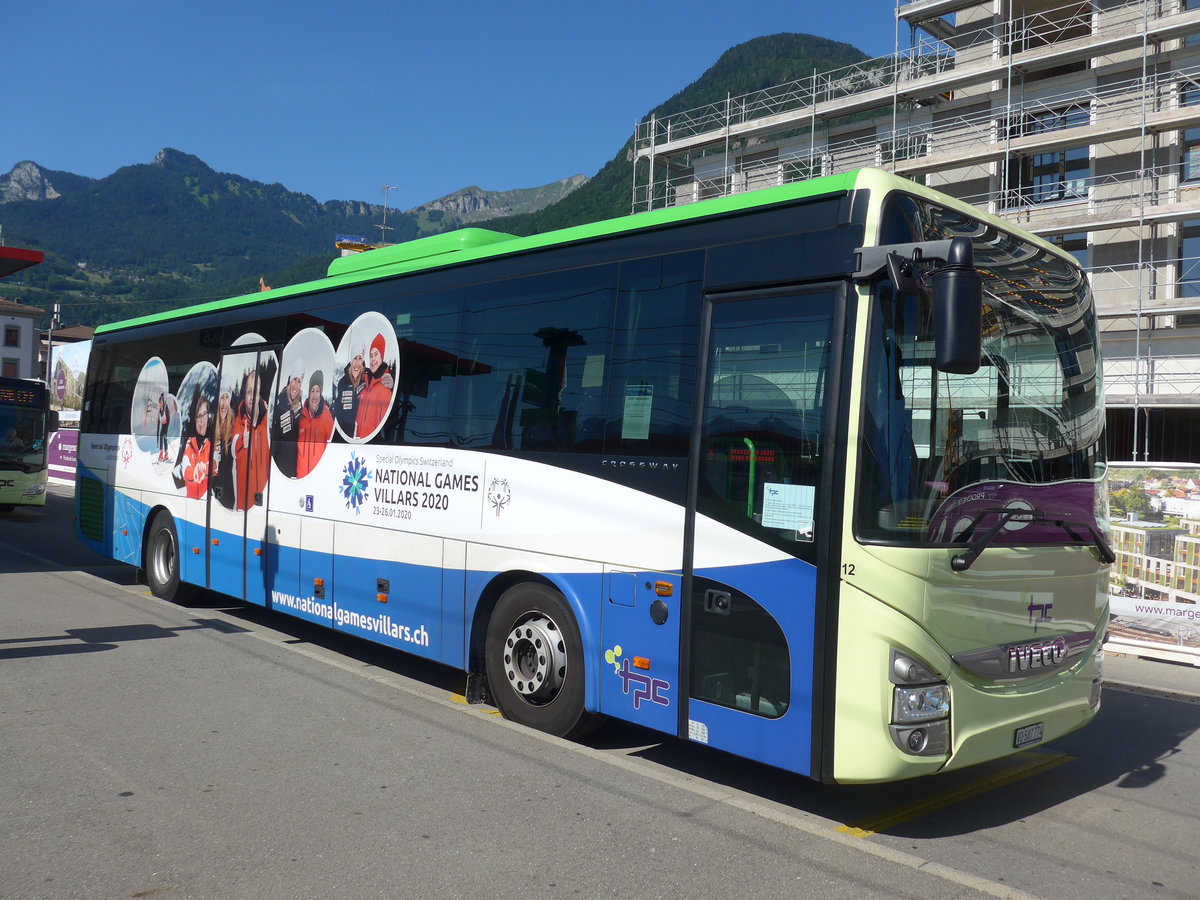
{"x":25,"y":421}
{"x":813,"y":475}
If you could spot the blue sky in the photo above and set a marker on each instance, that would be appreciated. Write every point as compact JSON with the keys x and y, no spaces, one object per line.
{"x":337,"y":100}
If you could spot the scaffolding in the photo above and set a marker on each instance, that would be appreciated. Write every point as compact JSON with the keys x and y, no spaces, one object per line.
{"x":1079,"y":121}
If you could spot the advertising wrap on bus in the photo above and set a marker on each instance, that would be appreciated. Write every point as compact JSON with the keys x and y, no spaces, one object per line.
{"x":814,"y":475}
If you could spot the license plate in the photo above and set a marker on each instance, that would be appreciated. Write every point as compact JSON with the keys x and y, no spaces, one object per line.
{"x":1029,"y":734}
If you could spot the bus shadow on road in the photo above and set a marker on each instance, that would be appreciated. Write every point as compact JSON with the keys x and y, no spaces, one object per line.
{"x":94,"y":640}
{"x":955,"y":803}
{"x":984,"y":796}
{"x":299,"y":631}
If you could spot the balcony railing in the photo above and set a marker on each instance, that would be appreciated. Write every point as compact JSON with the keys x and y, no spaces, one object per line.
{"x":929,"y":56}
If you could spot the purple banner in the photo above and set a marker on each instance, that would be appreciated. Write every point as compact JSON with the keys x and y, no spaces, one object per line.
{"x":60,"y":454}
{"x":987,"y":502}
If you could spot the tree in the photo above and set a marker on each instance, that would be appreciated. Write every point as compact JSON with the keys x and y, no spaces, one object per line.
{"x":1131,"y":500}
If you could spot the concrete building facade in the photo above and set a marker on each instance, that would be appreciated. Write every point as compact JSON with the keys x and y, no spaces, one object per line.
{"x":19,"y":339}
{"x":1080,"y":122}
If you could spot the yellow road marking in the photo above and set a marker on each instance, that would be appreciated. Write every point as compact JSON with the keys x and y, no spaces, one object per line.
{"x":461,"y":699}
{"x":1035,"y":763}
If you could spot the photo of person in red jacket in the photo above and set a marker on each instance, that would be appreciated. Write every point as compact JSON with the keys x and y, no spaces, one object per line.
{"x":376,"y":397}
{"x":251,"y":446}
{"x":316,"y":426}
{"x":196,"y":453}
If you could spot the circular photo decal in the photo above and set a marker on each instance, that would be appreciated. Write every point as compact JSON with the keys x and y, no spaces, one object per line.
{"x":302,"y":417}
{"x":154,"y":417}
{"x":366,"y":377}
{"x":197,"y":417}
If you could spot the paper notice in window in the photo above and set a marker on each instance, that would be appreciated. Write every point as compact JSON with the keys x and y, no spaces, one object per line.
{"x":635,"y":422}
{"x":789,"y":506}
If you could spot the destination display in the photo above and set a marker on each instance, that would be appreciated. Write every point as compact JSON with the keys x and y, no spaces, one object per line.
{"x":19,"y":392}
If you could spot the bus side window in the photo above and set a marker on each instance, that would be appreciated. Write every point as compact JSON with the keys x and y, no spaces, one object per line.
{"x":652,"y":378}
{"x":536,"y":347}
{"x":428,"y":369}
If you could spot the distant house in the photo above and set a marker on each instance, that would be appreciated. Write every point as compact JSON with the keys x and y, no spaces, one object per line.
{"x":20,"y":347}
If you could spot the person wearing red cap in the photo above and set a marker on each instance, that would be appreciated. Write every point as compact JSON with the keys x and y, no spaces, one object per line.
{"x":376,"y":398}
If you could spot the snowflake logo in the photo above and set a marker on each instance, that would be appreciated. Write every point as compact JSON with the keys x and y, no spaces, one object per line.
{"x":355,"y":481}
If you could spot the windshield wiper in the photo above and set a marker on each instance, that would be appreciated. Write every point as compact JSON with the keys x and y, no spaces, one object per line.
{"x":20,"y":463}
{"x":1102,"y":545}
{"x":963,"y":561}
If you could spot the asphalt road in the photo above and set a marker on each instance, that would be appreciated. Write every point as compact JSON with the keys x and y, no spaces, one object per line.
{"x":150,"y":750}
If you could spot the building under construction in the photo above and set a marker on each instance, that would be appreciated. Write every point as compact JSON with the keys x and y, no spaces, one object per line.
{"x":1079,"y":122}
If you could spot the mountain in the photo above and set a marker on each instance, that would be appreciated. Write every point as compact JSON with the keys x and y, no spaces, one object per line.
{"x":136,"y":236}
{"x":29,"y":181}
{"x":159,"y":235}
{"x":751,"y":66}
{"x":152,"y":236}
{"x":472,"y":204}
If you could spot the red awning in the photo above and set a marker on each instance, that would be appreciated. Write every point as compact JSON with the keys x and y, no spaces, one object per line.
{"x":14,"y":259}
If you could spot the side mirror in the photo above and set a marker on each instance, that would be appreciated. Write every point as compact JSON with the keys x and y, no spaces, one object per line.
{"x":958,"y":311}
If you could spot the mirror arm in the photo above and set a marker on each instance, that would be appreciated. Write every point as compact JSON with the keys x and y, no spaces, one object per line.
{"x":873,"y":262}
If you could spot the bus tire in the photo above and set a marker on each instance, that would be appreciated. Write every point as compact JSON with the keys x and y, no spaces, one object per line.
{"x":535,"y":664}
{"x":162,"y":561}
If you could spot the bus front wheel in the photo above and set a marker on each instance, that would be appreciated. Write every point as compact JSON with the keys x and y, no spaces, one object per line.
{"x":535,"y":661}
{"x":162,"y":561}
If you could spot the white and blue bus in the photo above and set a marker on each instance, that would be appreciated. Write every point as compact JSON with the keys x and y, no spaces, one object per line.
{"x":813,"y":475}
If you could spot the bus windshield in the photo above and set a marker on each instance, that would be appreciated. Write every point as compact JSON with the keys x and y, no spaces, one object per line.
{"x":22,"y":438}
{"x":1019,"y":440}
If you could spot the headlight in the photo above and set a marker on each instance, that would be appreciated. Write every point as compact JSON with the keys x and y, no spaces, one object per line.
{"x":34,"y":490}
{"x":920,"y":707}
{"x":920,"y":704}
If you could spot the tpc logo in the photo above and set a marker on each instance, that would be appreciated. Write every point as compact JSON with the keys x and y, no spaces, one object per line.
{"x":1038,"y":612}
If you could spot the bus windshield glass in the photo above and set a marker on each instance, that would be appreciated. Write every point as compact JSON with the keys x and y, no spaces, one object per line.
{"x":22,"y":438}
{"x":1017,"y":444}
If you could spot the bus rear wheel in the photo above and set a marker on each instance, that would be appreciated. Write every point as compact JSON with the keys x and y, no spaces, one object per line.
{"x":534,"y":658}
{"x":162,"y":561}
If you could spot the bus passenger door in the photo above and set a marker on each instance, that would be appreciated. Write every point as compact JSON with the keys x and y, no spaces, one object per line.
{"x":756,"y":529}
{"x":237,"y":545}
{"x":640,"y":679}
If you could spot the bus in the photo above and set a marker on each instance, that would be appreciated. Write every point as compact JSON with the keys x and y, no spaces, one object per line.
{"x":25,"y":422}
{"x":813,"y":475}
